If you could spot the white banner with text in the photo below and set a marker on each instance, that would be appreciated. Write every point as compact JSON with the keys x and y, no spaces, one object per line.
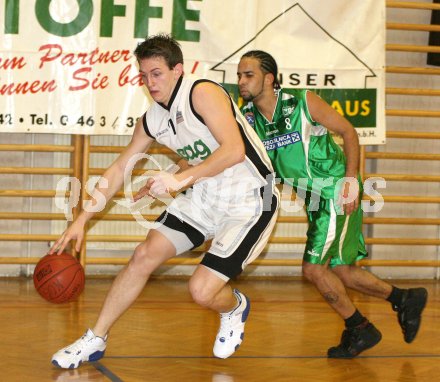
{"x":66,"y":66}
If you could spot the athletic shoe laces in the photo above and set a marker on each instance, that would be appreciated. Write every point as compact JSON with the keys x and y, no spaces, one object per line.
{"x":227,"y":323}
{"x":225,"y":326}
{"x":79,"y":344}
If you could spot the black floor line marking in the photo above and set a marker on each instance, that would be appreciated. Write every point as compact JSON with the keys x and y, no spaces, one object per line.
{"x":113,"y":377}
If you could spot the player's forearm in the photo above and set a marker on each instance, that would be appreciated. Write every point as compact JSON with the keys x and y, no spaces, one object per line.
{"x":224,"y":157}
{"x":352,"y":152}
{"x":113,"y":178}
{"x":105,"y":189}
{"x":183,"y":165}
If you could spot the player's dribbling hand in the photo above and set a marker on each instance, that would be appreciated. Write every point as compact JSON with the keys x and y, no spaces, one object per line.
{"x":144,"y":191}
{"x":164,"y":183}
{"x":74,"y":232}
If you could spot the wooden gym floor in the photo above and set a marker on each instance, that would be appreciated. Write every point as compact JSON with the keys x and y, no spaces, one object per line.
{"x":166,"y":337}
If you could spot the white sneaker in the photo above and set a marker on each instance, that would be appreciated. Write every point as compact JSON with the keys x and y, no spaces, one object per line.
{"x":88,"y":348}
{"x":231,"y":332}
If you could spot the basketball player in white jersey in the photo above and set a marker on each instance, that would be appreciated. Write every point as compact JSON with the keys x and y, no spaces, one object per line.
{"x":232,"y":199}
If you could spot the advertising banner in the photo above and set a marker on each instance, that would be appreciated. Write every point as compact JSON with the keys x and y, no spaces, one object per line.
{"x":66,"y":66}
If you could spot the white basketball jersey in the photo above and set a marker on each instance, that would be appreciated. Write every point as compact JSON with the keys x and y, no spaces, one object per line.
{"x":180,"y":128}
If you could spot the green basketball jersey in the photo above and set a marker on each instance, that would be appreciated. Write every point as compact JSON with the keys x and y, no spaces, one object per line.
{"x":302,"y":151}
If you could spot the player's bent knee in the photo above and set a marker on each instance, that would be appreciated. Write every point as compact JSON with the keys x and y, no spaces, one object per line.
{"x":143,"y":258}
{"x":200,"y":295}
{"x":312,"y":271}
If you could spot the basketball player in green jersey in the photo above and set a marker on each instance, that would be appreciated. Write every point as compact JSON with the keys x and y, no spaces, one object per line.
{"x":295,"y":131}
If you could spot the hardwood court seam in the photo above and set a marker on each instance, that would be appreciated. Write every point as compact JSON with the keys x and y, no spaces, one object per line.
{"x":274,"y":357}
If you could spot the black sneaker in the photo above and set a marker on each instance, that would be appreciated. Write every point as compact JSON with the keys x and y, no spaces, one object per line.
{"x":355,"y":340}
{"x":409,"y":312}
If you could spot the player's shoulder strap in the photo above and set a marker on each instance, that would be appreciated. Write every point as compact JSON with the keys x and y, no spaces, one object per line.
{"x":198,"y":82}
{"x":145,"y":125}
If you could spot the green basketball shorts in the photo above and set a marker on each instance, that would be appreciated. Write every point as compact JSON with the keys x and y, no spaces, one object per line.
{"x":333,"y":236}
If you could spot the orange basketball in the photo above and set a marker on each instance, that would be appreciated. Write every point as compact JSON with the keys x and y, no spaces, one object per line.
{"x":59,"y":278}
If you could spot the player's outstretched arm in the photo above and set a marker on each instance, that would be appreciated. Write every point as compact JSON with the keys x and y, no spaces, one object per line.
{"x":110,"y":182}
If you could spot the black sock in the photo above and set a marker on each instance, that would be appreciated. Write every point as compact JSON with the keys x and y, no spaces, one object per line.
{"x":354,"y":320}
{"x":395,"y":296}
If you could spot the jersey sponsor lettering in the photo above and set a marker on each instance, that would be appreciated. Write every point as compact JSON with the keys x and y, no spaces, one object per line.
{"x":198,"y":150}
{"x":281,"y":141}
